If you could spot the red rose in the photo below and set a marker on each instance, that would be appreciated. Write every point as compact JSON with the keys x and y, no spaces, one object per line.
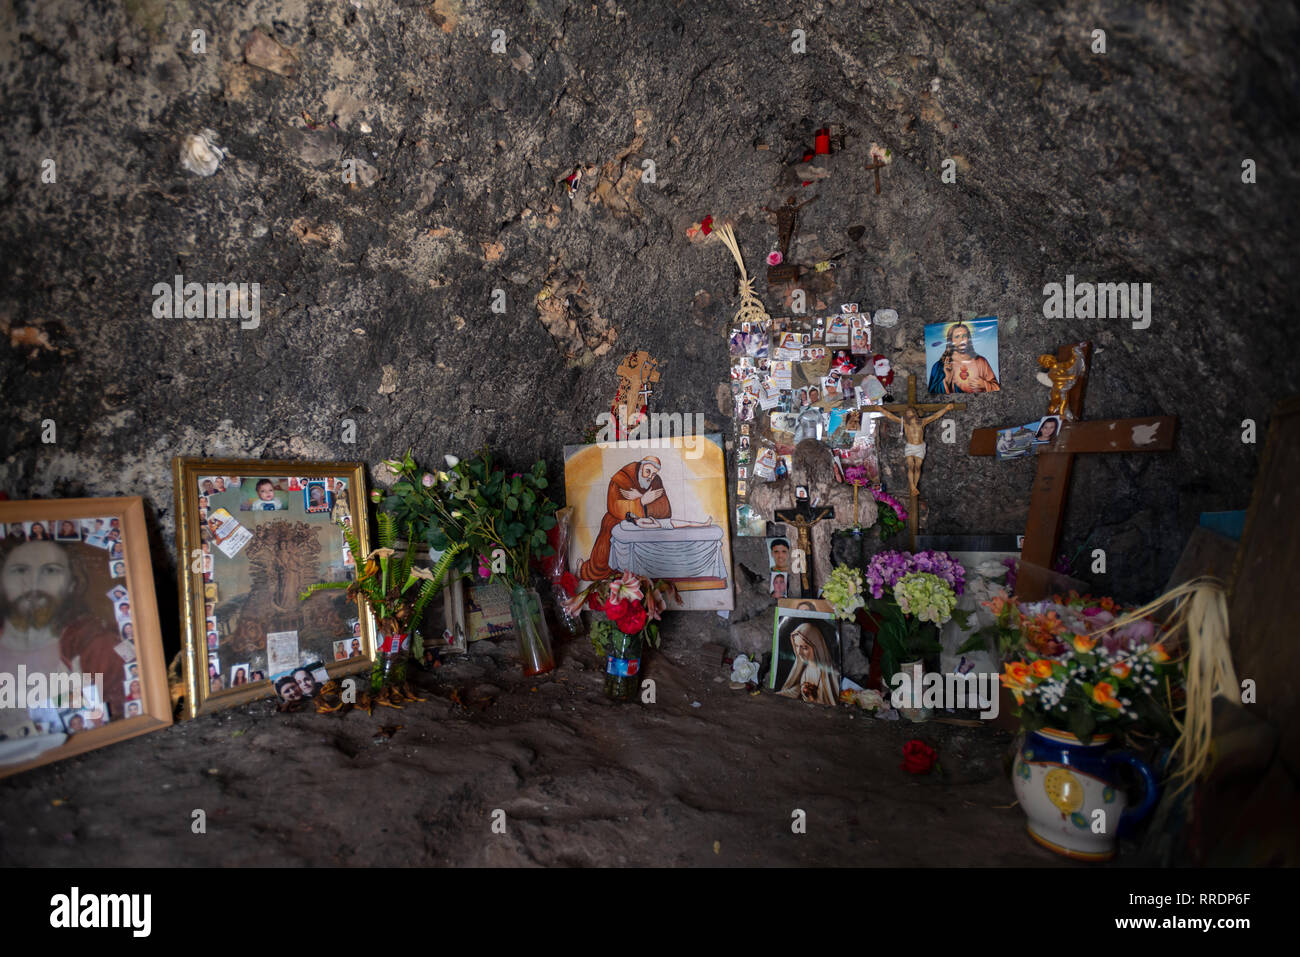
{"x":594,"y":602}
{"x":706,"y":225}
{"x":633,"y":621}
{"x":918,"y":757}
{"x":614,"y":610}
{"x":569,"y":584}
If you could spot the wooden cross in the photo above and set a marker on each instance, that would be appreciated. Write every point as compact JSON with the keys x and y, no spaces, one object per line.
{"x":1047,"y":501}
{"x":876,"y":167}
{"x":919,"y":408}
{"x":803,"y":518}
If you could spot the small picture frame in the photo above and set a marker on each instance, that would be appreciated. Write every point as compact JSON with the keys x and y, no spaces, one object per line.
{"x":112,"y":680}
{"x":806,"y":656}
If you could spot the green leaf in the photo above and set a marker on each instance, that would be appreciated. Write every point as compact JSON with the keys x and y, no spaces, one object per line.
{"x":962,"y":617}
{"x":1081,"y":723}
{"x":512,"y":503}
{"x":974,"y":643}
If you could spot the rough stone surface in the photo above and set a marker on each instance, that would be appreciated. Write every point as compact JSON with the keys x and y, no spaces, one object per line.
{"x":376,"y":294}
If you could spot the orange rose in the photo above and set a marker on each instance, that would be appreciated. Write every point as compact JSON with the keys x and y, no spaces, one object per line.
{"x":1121,"y":669}
{"x":1158,"y":652}
{"x":1084,"y":644}
{"x":1017,"y":675}
{"x":1104,"y":694}
{"x":1041,"y":668}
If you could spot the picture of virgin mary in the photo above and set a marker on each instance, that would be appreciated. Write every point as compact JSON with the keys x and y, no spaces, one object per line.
{"x":809,"y":647}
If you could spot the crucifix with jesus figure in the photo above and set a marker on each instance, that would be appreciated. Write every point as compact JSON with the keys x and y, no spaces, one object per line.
{"x":909,"y":417}
{"x":1068,"y":372}
{"x":802,"y":518}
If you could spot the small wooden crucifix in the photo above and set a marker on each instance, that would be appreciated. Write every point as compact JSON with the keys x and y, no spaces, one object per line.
{"x":1047,"y":500}
{"x":803,"y":518}
{"x":914,"y":435}
{"x":876,"y":167}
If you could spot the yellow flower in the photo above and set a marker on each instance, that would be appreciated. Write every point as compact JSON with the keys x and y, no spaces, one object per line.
{"x":1083,"y":644}
{"x":1041,"y":668}
{"x":1158,"y":653}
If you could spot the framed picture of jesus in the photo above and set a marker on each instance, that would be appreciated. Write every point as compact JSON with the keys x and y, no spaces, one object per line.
{"x":654,"y":507}
{"x":81,"y":654}
{"x":268,"y":530}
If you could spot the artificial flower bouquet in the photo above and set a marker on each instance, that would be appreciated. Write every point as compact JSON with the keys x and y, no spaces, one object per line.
{"x":908,"y":595}
{"x":1084,"y":665}
{"x":891,"y":517}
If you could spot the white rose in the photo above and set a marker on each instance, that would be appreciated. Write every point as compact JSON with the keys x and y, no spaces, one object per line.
{"x":743,"y":670}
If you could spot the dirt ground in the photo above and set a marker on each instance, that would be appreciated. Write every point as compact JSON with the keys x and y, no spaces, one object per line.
{"x":582,"y":781}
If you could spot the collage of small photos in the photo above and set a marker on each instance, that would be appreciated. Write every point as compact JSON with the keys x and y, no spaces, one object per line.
{"x":55,"y":577}
{"x":797,"y":379}
{"x":242,"y":648}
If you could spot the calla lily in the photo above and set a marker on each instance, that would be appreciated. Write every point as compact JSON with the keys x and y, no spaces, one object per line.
{"x":380,"y":553}
{"x":425,"y":573}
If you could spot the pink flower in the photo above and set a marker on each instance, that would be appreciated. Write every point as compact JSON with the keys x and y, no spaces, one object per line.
{"x":427,"y":479}
{"x":484,"y":570}
{"x":774,"y":258}
{"x":627,"y":586}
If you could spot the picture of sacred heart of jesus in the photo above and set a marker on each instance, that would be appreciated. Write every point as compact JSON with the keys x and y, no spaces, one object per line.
{"x":653,"y":507}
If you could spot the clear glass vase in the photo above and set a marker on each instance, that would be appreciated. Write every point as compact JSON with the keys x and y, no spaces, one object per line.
{"x":390,"y":664}
{"x":534,"y":636}
{"x":623,"y":666}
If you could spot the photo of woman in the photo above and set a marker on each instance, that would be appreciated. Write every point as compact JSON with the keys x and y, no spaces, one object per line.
{"x":806,"y":653}
{"x":1047,"y":430}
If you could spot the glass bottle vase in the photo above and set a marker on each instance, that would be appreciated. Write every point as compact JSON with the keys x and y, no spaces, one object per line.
{"x":534,"y":636}
{"x":623,"y":666}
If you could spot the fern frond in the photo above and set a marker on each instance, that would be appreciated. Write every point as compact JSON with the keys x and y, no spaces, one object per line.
{"x":448,"y":557}
{"x":426,"y":595}
{"x":321,"y":586}
{"x":387,"y":529}
{"x":408,"y":559}
{"x":354,"y":546}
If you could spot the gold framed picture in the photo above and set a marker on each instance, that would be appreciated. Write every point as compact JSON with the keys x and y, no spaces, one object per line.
{"x":81,"y":655}
{"x":251,"y":536}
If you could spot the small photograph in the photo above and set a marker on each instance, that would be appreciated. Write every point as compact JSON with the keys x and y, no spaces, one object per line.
{"x":38,"y":532}
{"x":210,"y":592}
{"x":1016,"y":441}
{"x":123,"y":611}
{"x":116,"y":551}
{"x":215,"y":682}
{"x":316,"y":496}
{"x":294,"y":484}
{"x":116,"y":568}
{"x":1048,"y":427}
{"x":214,"y":639}
{"x":133,"y":709}
{"x":777,"y":587}
{"x":962,"y":356}
{"x":846,"y":363}
{"x":784,"y":422}
{"x":742,"y":490}
{"x":74,"y":721}
{"x":743,"y":442}
{"x":765,"y":464}
{"x":301,"y":682}
{"x":131,"y":669}
{"x":118,"y":594}
{"x":209,"y":609}
{"x":778,"y":554}
{"x":860,"y":337}
{"x":131,"y":687}
{"x":265,"y":498}
{"x":207,"y":485}
{"x":257,"y":674}
{"x":340,"y":651}
{"x":744,"y":430}
{"x":355,"y":625}
{"x":16,"y":531}
{"x":340,"y":486}
{"x":808,"y":604}
{"x":128,"y":631}
{"x":203,"y":503}
{"x":849,"y":308}
{"x":742,"y":472}
{"x":837,"y":333}
{"x":238,"y":675}
{"x":806,"y":656}
{"x":784,"y":465}
{"x":757,"y":347}
{"x":801,"y":493}
{"x":67,"y":530}
{"x":749,"y":522}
